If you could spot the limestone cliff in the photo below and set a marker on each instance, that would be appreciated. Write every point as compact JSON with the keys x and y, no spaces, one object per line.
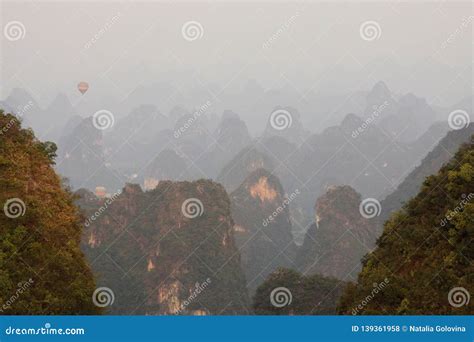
{"x":166,"y":251}
{"x":262,"y":228}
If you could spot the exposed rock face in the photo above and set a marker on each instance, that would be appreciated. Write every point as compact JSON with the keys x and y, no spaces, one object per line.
{"x":425,"y":253}
{"x":262,"y":228}
{"x":242,"y":165}
{"x":357,"y":152}
{"x":341,"y":236}
{"x":166,"y":251}
{"x":287,"y":292}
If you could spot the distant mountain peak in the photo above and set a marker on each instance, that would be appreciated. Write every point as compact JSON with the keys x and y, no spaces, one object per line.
{"x":411,"y":100}
{"x":333,"y":197}
{"x":351,"y":121}
{"x":379,"y":94}
{"x":340,"y":236}
{"x":229,"y":115}
{"x":380,"y":88}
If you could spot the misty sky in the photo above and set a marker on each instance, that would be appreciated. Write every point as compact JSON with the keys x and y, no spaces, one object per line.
{"x":312,"y":46}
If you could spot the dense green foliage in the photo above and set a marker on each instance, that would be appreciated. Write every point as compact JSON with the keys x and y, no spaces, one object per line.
{"x":426,"y":248}
{"x":42,"y":269}
{"x":310,"y":295}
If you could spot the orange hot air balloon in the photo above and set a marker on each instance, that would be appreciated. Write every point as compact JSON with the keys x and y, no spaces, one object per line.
{"x":83,"y":86}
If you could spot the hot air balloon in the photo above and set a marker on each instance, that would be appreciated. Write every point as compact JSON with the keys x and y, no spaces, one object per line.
{"x":83,"y":86}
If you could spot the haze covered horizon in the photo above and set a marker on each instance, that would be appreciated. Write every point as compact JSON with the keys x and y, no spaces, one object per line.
{"x":309,"y":56}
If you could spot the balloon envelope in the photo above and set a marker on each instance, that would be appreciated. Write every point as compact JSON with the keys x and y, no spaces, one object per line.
{"x":83,"y":86}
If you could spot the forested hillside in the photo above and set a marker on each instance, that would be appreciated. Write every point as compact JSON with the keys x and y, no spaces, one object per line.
{"x":426,"y":250}
{"x":42,"y":269}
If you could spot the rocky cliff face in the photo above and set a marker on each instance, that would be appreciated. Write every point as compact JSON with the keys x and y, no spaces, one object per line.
{"x":340,"y":237}
{"x":242,"y":165}
{"x":166,"y":251}
{"x":262,"y":229}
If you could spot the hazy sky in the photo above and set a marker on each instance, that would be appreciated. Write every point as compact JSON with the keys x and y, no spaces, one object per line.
{"x":116,"y":46}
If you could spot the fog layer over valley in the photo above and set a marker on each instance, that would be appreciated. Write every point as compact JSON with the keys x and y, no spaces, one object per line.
{"x":215,"y":152}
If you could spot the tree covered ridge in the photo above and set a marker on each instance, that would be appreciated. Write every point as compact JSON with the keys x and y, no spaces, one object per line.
{"x":287,"y":292}
{"x":425,"y":250}
{"x":42,"y":269}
